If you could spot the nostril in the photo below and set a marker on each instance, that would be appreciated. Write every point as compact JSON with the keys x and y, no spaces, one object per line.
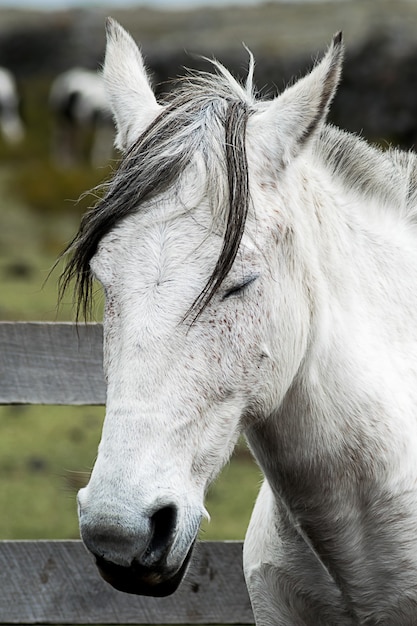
{"x":163,"y":523}
{"x":145,"y":539}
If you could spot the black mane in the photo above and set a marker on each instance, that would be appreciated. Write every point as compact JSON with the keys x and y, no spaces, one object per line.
{"x":155,"y":162}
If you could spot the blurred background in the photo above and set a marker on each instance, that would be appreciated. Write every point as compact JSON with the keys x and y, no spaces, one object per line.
{"x":56,"y":143}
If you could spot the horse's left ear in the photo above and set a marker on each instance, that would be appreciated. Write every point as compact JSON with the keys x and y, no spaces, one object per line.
{"x":131,"y":97}
{"x":293,"y":116}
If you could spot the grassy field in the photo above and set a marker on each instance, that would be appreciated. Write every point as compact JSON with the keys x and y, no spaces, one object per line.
{"x":46,"y":453}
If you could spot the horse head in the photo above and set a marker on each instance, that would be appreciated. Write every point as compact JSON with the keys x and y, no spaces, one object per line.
{"x":204,"y":328}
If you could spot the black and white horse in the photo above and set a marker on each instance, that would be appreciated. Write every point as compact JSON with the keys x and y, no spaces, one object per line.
{"x":11,"y":125}
{"x":80,"y":105}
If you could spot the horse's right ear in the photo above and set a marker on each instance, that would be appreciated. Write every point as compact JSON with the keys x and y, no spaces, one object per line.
{"x":132,"y":100}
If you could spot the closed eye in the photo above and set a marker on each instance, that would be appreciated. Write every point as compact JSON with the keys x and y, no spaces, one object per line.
{"x":239,"y":288}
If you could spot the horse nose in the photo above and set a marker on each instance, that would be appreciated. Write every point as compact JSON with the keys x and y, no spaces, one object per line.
{"x":145,"y":540}
{"x":156,"y":581}
{"x":163,"y":525}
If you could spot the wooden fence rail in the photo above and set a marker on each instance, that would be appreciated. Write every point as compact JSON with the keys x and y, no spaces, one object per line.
{"x":56,"y":582}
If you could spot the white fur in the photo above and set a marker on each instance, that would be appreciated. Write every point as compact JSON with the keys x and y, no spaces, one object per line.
{"x":132,"y":99}
{"x":316,"y":362}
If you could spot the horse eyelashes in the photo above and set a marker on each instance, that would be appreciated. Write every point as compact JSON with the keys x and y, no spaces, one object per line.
{"x":237,"y":289}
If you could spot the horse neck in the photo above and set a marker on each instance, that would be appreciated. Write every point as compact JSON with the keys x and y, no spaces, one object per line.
{"x":339,"y":451}
{"x":338,"y":413}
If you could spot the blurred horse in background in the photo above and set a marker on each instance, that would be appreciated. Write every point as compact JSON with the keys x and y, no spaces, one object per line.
{"x":260,"y":276}
{"x":11,"y":125}
{"x":82,"y":115}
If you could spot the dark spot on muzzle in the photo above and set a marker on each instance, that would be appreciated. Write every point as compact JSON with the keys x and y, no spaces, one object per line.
{"x":141,"y":580}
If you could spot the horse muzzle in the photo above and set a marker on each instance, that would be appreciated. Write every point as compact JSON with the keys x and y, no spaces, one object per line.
{"x":143,"y":554}
{"x":157,"y":581}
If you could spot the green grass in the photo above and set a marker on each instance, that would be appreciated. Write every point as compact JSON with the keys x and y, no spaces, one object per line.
{"x":46,"y":454}
{"x":231,"y":498}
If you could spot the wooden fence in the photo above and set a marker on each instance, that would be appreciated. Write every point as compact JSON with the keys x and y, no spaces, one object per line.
{"x":56,"y":582}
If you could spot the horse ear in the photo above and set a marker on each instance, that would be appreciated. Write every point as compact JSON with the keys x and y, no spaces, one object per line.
{"x":293,"y":116}
{"x":132,"y":100}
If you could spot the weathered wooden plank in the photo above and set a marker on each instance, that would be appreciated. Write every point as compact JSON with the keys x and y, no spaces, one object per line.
{"x":56,"y":582}
{"x":51,"y":363}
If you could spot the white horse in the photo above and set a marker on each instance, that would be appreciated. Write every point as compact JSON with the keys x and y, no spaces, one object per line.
{"x":79,"y":103}
{"x":11,"y":125}
{"x":260,"y":276}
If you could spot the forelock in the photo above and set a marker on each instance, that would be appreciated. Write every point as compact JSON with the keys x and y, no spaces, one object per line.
{"x":206,"y":114}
